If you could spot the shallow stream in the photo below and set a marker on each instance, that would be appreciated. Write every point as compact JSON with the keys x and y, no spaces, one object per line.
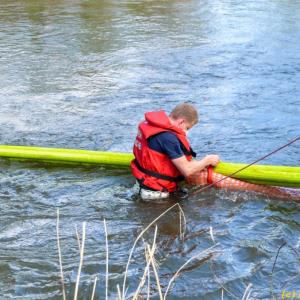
{"x":80,"y":74}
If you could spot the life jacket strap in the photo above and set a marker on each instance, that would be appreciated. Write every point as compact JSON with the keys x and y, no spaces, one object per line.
{"x":188,"y":152}
{"x":157,"y":175}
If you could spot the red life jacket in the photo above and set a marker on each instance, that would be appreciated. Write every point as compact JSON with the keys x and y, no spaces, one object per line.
{"x":152,"y":169}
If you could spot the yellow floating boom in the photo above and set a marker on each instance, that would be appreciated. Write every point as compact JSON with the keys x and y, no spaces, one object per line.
{"x":260,"y":174}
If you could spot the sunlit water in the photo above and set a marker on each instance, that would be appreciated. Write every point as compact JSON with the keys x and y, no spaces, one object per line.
{"x":80,"y":74}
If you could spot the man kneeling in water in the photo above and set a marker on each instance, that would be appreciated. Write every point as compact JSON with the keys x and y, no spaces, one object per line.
{"x":163,"y":158}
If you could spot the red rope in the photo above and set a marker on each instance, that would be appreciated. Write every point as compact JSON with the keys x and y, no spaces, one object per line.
{"x":209,"y":174}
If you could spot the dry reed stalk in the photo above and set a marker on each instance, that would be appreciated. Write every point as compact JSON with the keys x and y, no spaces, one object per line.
{"x":94,"y":288}
{"x":146,"y":271}
{"x":212,"y":234}
{"x":180,"y":225}
{"x":136,"y":241}
{"x":78,"y":238}
{"x":222,"y":294}
{"x":80,"y":261}
{"x":119,"y":292}
{"x":247,"y":292}
{"x":106,"y":271}
{"x":143,"y":279}
{"x":148,"y":288}
{"x":153,"y":263}
{"x":182,"y":232}
{"x":271,"y":276}
{"x":187,"y":262}
{"x":221,"y":284}
{"x":59,"y":256}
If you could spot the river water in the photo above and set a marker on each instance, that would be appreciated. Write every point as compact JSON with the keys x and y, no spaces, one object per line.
{"x":80,"y":74}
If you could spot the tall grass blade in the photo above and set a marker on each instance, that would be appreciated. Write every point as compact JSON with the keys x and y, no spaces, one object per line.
{"x":94,"y":288}
{"x":81,"y":260}
{"x":106,"y":271}
{"x":179,"y":270}
{"x":135,"y":243}
{"x":60,"y":259}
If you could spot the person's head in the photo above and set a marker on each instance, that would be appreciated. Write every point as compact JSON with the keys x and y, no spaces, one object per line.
{"x":184,"y":116}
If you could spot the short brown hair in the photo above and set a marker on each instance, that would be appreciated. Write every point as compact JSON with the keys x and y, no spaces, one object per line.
{"x":186,"y":111}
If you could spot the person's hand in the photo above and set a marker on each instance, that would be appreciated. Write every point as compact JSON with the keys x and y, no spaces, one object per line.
{"x":212,"y":159}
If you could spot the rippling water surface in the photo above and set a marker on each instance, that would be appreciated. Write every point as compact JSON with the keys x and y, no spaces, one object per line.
{"x":80,"y":74}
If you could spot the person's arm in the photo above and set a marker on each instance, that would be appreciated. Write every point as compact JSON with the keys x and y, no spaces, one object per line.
{"x":187,"y":168}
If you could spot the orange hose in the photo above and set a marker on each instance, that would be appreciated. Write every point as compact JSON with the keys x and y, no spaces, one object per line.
{"x":202,"y":178}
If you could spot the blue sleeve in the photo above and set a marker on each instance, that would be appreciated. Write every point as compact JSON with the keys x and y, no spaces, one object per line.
{"x":167,"y":143}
